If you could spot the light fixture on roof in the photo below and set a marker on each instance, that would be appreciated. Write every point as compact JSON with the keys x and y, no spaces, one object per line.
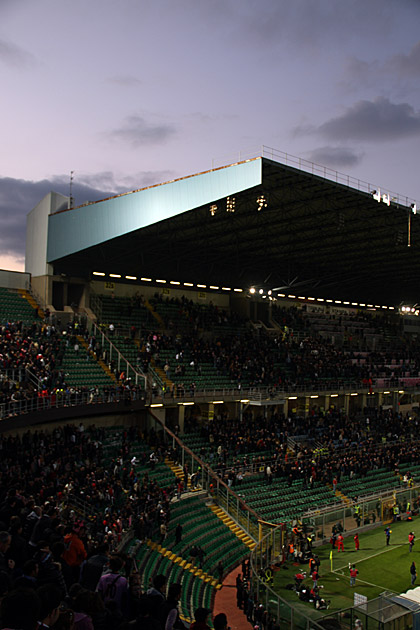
{"x":131,"y":277}
{"x":213,"y":209}
{"x":261,"y":202}
{"x":98,"y":273}
{"x":114,"y":275}
{"x":161,"y":281}
{"x":261,"y":291}
{"x":174,"y":282}
{"x":252,"y":290}
{"x":146,"y":279}
{"x":230,"y":204}
{"x":413,"y":208}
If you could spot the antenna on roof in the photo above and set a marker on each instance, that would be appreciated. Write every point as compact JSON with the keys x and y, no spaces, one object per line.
{"x":71,"y":189}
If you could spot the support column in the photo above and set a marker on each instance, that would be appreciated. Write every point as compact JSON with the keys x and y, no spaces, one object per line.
{"x":181,"y":416}
{"x":346,"y":403}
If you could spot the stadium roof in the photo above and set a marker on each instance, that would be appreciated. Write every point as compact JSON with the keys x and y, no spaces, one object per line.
{"x":287,"y":229}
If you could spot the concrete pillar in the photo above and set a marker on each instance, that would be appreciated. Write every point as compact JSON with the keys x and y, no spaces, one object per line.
{"x":181,"y":416}
{"x":346,"y":403}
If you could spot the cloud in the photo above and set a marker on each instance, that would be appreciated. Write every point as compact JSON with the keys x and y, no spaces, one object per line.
{"x":136,"y":132}
{"x":18,"y":197}
{"x":14,"y":56}
{"x":378,"y":120}
{"x":335,"y":156}
{"x":408,"y":65}
{"x":124,"y":81}
{"x":393,"y":70}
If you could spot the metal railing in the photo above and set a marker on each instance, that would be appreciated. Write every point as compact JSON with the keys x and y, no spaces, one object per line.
{"x":311,"y":167}
{"x":208,"y":480}
{"x":63,"y":399}
{"x":267,"y":552}
{"x":123,"y":365}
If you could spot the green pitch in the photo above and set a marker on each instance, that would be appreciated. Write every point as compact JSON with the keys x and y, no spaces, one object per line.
{"x":381,"y":568}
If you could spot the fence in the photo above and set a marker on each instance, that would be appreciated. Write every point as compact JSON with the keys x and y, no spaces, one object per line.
{"x":268,"y":552}
{"x":361,"y":513}
{"x":63,"y":399}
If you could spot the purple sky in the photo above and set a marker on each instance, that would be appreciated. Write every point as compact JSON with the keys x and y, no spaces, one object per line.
{"x":132,"y":93}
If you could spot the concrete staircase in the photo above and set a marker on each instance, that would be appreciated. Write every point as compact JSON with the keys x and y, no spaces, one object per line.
{"x":187,"y":566}
{"x":28,"y":297}
{"x":233,"y":526}
{"x":105,"y":368}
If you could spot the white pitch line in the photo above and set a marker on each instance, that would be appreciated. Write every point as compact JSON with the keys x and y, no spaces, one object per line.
{"x":352,"y":561}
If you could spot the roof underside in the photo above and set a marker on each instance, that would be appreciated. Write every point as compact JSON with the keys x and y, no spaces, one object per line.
{"x":314,"y":237}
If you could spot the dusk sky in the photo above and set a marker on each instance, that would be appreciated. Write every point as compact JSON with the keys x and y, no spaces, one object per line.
{"x":132,"y":93}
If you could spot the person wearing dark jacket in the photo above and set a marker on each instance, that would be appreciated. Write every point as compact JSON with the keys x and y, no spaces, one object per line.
{"x":173,"y":621}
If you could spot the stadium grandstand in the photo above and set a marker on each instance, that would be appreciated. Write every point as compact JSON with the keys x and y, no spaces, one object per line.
{"x":203,"y":384}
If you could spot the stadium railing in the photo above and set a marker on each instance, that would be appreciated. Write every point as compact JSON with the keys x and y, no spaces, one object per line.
{"x":217,"y":490}
{"x":268,"y":552}
{"x":372,"y":509}
{"x":114,"y":354}
{"x":63,"y":399}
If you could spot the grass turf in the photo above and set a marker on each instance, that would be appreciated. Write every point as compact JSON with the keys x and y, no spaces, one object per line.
{"x":381,"y":568}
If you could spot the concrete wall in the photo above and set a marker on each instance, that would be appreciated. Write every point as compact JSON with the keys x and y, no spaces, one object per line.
{"x":37,"y":233}
{"x":14,"y":279}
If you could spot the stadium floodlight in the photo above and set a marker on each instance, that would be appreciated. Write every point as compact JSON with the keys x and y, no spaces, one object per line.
{"x":376,"y":194}
{"x":252,"y":290}
{"x":213,"y":209}
{"x":269,"y":292}
{"x":261,"y":291}
{"x":230,"y":204}
{"x":413,"y":208}
{"x":386,"y":199}
{"x":261,"y":202}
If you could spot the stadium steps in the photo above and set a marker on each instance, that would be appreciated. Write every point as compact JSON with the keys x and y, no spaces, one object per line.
{"x":340,"y":495}
{"x":161,"y":373}
{"x":179,"y":474}
{"x":186,"y":566}
{"x":156,"y":315}
{"x":28,"y":297}
{"x":234,"y":527}
{"x":98,"y":361}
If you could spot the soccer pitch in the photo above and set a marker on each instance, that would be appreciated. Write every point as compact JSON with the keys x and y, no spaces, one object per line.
{"x":381,"y":568}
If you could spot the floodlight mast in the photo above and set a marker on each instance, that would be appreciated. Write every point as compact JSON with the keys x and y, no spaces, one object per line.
{"x":71,"y":189}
